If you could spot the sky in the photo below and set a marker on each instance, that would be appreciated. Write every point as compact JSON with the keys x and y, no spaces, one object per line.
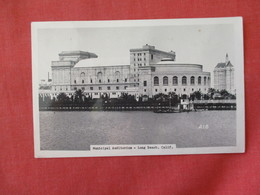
{"x":195,"y":44}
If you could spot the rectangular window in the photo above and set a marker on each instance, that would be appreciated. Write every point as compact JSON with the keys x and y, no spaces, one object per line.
{"x":117,"y":87}
{"x":145,"y":83}
{"x":100,"y":88}
{"x":108,"y":88}
{"x":125,"y":80}
{"x":91,"y":88}
{"x":144,"y":90}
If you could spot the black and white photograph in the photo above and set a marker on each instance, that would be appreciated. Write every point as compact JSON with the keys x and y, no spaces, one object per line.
{"x":138,"y":87}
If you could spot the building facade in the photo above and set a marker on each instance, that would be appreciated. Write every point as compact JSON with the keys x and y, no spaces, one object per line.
{"x":151,"y":71}
{"x":224,"y":76}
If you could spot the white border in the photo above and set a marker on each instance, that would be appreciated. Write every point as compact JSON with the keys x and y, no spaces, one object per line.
{"x":240,"y":112}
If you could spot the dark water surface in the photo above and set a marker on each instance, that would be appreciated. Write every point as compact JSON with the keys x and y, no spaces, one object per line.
{"x":79,"y":130}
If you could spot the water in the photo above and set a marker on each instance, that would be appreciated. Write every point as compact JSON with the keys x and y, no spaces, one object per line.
{"x":79,"y":130}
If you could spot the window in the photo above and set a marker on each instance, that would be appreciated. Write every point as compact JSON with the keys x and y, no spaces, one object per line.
{"x":75,"y":81}
{"x":165,"y":80}
{"x":184,"y":80}
{"x":125,"y":80}
{"x":82,"y":81}
{"x":175,"y":80}
{"x":90,"y":80}
{"x":91,"y":88}
{"x":156,"y":81}
{"x":83,"y":88}
{"x":108,"y":88}
{"x":100,"y":88}
{"x":99,"y":80}
{"x":205,"y":80}
{"x":156,"y":90}
{"x":199,"y":80}
{"x":75,"y":88}
{"x":192,"y":80}
{"x":117,"y":80}
{"x":174,"y":89}
{"x":184,"y":89}
{"x":192,"y":89}
{"x":99,"y":75}
{"x":125,"y":87}
{"x":96,"y":93}
{"x":117,"y":87}
{"x":144,"y":90}
{"x":151,"y":56}
{"x":145,"y":83}
{"x":108,"y":80}
{"x":82,"y":74}
{"x":165,"y":90}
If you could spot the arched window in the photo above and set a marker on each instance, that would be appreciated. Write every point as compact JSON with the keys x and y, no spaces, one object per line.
{"x":117,"y":76}
{"x":184,"y":80}
{"x":199,"y":80}
{"x":99,"y":76}
{"x":82,"y":74}
{"x":165,"y":80}
{"x":192,"y":80}
{"x":205,"y":80}
{"x":175,"y":80}
{"x":156,"y":81}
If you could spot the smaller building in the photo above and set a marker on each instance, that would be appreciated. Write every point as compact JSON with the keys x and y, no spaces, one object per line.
{"x":224,"y":76}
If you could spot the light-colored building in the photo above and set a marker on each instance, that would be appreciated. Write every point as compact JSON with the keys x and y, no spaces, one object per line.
{"x":151,"y":71}
{"x":224,"y":76}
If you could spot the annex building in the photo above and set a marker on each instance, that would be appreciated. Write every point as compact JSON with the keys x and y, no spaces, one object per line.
{"x":150,"y":71}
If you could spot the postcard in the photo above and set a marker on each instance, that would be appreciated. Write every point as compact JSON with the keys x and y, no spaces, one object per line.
{"x":138,"y":87}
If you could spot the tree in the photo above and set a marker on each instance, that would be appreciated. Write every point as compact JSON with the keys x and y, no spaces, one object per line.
{"x":196,"y":95}
{"x":79,"y":96}
{"x":62,"y":98}
{"x":224,"y":93}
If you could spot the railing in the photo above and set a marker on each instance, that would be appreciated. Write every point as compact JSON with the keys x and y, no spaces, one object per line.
{"x":214,"y":101}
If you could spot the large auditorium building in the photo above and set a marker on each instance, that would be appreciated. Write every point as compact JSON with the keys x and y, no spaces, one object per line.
{"x":151,"y":71}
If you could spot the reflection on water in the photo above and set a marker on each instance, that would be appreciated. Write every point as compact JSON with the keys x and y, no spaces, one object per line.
{"x":79,"y":130}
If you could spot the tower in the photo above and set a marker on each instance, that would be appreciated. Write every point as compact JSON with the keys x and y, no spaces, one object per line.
{"x":224,"y":76}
